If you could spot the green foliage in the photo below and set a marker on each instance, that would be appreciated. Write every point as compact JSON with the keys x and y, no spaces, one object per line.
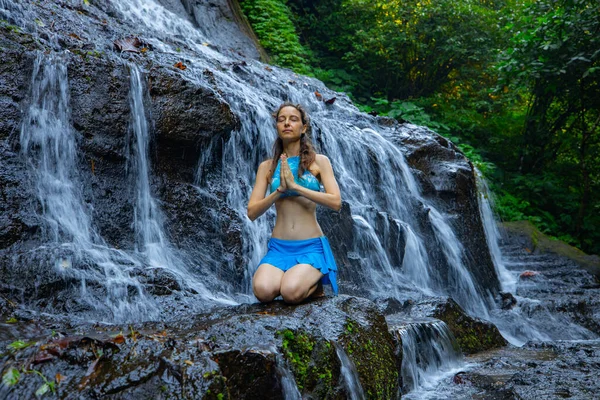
{"x":271,"y":21}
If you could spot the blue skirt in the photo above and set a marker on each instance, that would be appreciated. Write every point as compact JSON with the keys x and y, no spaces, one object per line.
{"x":284,"y":254}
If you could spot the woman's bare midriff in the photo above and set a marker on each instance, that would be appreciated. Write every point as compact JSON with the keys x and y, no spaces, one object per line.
{"x":296,"y":219}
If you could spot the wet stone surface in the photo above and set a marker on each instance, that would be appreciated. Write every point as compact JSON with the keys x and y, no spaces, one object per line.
{"x":538,"y":370}
{"x":233,"y":353}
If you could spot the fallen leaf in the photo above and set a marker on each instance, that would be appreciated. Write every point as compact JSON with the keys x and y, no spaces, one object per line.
{"x":42,"y":390}
{"x":118,"y":339}
{"x":529,"y":274}
{"x":43,"y":356}
{"x":189,"y":362}
{"x":12,"y":320}
{"x":144,"y":49}
{"x":59,"y":378}
{"x":89,"y":375}
{"x":11,"y":377}
{"x":18,"y":345}
{"x":330,"y":101}
{"x":205,"y":44}
{"x":268,"y":68}
{"x":74,"y":36}
{"x":180,"y":66}
{"x":128,"y":44}
{"x":319,"y":96}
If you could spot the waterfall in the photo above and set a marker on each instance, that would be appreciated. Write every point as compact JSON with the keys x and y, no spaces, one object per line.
{"x":403,"y":247}
{"x":429,"y":353}
{"x":75,"y":249}
{"x":529,"y":319}
{"x":350,"y":375}
{"x":152,"y":243}
{"x":508,"y":282}
{"x":288,"y":383}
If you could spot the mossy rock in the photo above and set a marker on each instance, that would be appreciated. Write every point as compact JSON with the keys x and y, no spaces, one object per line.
{"x":372,"y":350}
{"x":472,"y":334}
{"x":314,"y":363}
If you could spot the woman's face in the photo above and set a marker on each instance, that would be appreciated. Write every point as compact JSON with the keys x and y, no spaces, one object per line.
{"x":289,"y":123}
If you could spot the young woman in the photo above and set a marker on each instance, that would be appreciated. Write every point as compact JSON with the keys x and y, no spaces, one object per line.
{"x":299,"y":257}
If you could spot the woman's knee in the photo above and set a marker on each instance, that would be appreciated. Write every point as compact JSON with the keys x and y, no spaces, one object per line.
{"x":265,"y":291}
{"x":293,"y":292}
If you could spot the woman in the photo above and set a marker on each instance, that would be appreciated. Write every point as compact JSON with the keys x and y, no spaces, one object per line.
{"x":299,"y":257}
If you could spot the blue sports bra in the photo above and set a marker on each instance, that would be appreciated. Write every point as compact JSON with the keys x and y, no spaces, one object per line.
{"x":308,"y":180}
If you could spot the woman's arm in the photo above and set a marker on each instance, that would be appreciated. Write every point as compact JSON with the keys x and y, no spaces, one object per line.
{"x":258,"y":203}
{"x":331,"y":198}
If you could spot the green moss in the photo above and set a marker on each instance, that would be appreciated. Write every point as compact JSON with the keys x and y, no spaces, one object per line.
{"x":313,"y":363}
{"x":12,"y":28}
{"x":371,"y":351}
{"x":217,"y":389}
{"x":297,"y":348}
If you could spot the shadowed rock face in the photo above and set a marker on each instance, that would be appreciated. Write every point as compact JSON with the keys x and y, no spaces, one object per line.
{"x":234,"y":352}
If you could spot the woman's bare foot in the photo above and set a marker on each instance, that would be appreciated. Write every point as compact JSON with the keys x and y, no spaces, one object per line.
{"x":319,"y":292}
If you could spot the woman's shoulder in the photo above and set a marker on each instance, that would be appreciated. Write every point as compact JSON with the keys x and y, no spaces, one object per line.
{"x":322,"y":159}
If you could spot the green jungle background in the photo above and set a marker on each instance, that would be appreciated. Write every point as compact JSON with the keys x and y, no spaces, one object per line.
{"x":515,"y":84}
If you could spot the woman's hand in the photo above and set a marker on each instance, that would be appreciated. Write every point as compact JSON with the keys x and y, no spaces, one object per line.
{"x":286,"y":177}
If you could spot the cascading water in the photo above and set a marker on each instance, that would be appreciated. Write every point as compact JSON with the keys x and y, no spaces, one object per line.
{"x":384,"y":200}
{"x":529,"y":319}
{"x":429,"y":352}
{"x":350,"y":375}
{"x":49,"y":145}
{"x":152,"y":244}
{"x":492,"y":234}
{"x":288,"y":384}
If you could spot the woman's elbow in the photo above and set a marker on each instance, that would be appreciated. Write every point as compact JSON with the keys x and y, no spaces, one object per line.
{"x":251,"y":214}
{"x":337,"y":206}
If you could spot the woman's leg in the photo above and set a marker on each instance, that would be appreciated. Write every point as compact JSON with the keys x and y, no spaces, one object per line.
{"x":299,"y":282}
{"x":266,"y":282}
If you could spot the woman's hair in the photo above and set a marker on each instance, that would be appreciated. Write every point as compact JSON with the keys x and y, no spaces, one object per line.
{"x":307,"y":152}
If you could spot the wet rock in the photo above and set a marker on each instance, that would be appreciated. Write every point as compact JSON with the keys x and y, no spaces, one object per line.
{"x":525,"y":234}
{"x":239,"y":353}
{"x":560,"y":285}
{"x":448,"y":178}
{"x":472,"y":334}
{"x":538,"y":370}
{"x":188,"y":117}
{"x":508,"y":301}
{"x":339,"y":229}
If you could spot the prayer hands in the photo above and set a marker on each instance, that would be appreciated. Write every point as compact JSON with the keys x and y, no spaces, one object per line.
{"x":286,"y":177}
